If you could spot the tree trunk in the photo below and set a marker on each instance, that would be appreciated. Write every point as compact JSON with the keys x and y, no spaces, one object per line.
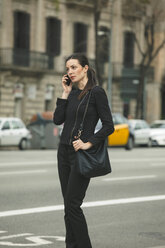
{"x":140,"y":95}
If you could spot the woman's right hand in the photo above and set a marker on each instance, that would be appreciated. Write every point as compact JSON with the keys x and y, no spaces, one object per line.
{"x":67,"y":88}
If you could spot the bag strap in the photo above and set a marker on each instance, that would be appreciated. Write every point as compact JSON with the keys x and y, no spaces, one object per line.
{"x":82,"y":123}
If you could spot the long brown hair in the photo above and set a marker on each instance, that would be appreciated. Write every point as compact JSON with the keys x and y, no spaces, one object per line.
{"x":92,"y":81}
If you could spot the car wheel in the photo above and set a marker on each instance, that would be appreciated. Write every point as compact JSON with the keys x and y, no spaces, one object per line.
{"x":155,"y":143}
{"x":23,"y":144}
{"x":130,"y":143}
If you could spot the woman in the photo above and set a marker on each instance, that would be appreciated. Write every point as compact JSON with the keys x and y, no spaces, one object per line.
{"x":70,"y":109}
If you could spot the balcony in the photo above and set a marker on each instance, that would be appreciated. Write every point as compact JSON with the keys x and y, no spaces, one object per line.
{"x":130,"y":81}
{"x":131,"y":9}
{"x":80,"y":4}
{"x":19,"y":58}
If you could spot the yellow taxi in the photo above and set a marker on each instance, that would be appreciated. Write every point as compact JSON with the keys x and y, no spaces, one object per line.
{"x":123,"y":135}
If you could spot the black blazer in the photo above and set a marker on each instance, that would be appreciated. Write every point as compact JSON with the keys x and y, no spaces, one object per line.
{"x":70,"y":112}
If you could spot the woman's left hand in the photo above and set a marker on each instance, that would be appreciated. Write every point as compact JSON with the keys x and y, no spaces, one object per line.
{"x":79,"y":144}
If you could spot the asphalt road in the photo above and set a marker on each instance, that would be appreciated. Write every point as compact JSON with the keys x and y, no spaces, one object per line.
{"x":125,"y":209}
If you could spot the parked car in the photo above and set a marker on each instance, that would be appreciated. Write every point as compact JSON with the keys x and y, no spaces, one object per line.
{"x":13,"y":132}
{"x":157,"y":133}
{"x":123,"y":134}
{"x":141,"y":131}
{"x":158,"y":139}
{"x":158,"y":124}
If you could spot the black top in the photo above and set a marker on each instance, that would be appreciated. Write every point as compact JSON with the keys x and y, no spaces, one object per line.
{"x":70,"y":112}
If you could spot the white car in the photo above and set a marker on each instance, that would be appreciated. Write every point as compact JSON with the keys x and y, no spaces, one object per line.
{"x":13,"y":132}
{"x":158,"y":139}
{"x":157,"y":133}
{"x":141,"y":132}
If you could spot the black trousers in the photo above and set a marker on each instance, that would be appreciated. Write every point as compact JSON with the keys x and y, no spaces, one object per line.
{"x":73,"y":187}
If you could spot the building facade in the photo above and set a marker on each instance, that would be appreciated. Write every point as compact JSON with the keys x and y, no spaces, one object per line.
{"x":37,"y":35}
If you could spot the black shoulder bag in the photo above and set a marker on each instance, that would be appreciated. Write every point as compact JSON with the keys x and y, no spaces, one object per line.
{"x":94,"y":161}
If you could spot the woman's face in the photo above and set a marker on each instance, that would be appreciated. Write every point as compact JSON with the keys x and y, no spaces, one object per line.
{"x":75,"y":71}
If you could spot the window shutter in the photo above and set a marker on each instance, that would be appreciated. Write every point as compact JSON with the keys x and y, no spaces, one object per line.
{"x":21,"y":38}
{"x":80,"y":37}
{"x":53,"y":39}
{"x":128,"y":49}
{"x":21,"y":30}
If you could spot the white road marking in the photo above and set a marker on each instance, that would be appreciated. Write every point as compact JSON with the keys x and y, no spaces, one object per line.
{"x":85,"y":205}
{"x":34,"y":240}
{"x":21,"y":172}
{"x":124,"y":201}
{"x":129,"y":178}
{"x":31,"y":210}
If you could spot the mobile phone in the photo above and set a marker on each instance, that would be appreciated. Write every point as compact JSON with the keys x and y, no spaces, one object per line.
{"x":68,"y":81}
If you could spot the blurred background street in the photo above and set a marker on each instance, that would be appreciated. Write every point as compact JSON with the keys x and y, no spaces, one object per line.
{"x":127,"y":206}
{"x":125,"y":43}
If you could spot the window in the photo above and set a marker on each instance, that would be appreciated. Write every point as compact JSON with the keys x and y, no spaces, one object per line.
{"x":144,"y":124}
{"x":17,"y":125}
{"x":6,"y":126}
{"x":155,"y":125}
{"x":21,"y":38}
{"x":126,"y":109}
{"x":80,"y":37}
{"x":138,"y":126}
{"x":118,"y":119}
{"x":53,"y":39}
{"x":128,"y":49}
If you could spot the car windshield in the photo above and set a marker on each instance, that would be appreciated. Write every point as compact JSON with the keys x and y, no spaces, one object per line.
{"x":118,"y":119}
{"x":157,"y":125}
{"x":145,"y":124}
{"x":17,"y":124}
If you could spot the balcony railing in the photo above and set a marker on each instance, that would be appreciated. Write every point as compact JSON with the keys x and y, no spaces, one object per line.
{"x":131,"y":79}
{"x":83,"y":4}
{"x":24,"y":58}
{"x":133,"y":9}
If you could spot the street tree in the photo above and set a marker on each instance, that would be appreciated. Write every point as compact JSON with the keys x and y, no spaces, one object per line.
{"x":100,"y":44}
{"x":151,"y":14}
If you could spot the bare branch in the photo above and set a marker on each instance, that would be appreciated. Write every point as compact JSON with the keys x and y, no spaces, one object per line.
{"x":138,"y":45}
{"x":152,"y":33}
{"x":158,"y":49}
{"x":151,"y":58}
{"x":146,"y":35}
